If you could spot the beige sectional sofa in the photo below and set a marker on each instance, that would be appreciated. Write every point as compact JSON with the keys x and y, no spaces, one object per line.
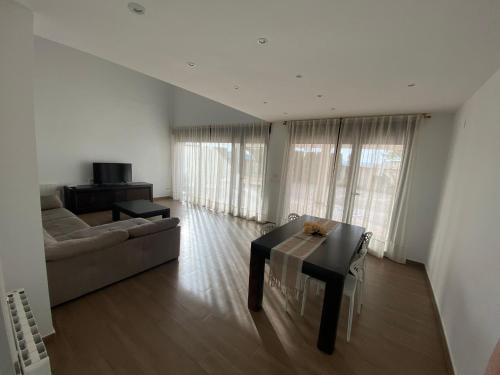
{"x":81,"y":259}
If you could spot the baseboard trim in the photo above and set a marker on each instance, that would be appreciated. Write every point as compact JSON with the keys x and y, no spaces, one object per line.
{"x":419,"y":264}
{"x":447,"y":353}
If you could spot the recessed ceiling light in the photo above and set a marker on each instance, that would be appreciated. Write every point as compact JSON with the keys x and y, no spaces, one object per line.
{"x":191,"y":64}
{"x":136,"y":8}
{"x":298,"y":76}
{"x":411,"y":85}
{"x":236,"y":87}
{"x":262,"y":41}
{"x":319,"y":96}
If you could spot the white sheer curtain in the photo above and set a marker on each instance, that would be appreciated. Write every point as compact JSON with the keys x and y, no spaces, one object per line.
{"x":364,"y":182}
{"x":309,"y":160}
{"x":221,"y":168}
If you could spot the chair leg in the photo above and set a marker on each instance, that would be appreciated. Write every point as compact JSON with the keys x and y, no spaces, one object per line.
{"x":304,"y":296}
{"x":286,"y":302}
{"x":360,"y":296}
{"x":349,"y":322}
{"x":352,"y":301}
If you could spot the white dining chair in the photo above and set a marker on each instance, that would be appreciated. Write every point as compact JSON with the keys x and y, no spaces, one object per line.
{"x":266,"y":228}
{"x":353,"y":284}
{"x":363,"y":249}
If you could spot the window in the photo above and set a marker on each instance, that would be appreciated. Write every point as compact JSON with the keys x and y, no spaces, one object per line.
{"x":361,"y":184}
{"x":222,"y":168}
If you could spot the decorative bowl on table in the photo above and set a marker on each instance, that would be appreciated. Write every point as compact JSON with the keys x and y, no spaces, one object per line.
{"x":314,"y":228}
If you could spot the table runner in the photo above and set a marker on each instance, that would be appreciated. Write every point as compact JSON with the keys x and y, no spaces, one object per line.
{"x":287,"y":257}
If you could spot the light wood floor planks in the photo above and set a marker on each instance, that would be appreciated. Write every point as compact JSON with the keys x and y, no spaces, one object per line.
{"x":190,"y":317}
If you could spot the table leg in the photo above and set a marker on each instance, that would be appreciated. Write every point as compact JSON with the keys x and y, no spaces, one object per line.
{"x":256,"y":281}
{"x":330,"y":315}
{"x":165,"y":215}
{"x":115,"y":214}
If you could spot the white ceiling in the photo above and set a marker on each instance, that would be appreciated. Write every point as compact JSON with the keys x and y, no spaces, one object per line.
{"x":359,"y":54}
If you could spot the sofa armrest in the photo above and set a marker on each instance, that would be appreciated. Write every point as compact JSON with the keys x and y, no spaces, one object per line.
{"x":153,"y":227}
{"x":74,"y":247}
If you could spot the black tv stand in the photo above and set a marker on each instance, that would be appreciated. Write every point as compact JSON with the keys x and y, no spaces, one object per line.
{"x":80,"y":199}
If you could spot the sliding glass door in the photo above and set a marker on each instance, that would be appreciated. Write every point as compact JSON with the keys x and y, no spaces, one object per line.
{"x":221,"y":168}
{"x":364,"y":183}
{"x":369,"y":176}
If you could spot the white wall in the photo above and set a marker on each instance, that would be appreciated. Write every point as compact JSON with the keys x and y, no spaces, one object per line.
{"x":277,"y":145}
{"x":88,"y":109}
{"x":192,"y":109}
{"x":432,"y":147}
{"x":21,"y":242}
{"x":464,"y":263}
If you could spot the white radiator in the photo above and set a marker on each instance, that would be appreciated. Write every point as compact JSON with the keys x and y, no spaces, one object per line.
{"x":32,"y":357}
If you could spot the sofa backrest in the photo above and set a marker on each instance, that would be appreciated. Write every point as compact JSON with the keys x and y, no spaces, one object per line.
{"x":71,"y":248}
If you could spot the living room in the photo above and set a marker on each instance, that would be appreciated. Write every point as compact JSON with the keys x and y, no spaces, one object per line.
{"x":289,"y":128}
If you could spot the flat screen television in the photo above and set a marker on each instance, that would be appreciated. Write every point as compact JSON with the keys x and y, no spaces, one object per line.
{"x":112,"y":173}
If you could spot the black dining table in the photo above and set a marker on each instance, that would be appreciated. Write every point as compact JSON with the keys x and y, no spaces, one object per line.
{"x":328,"y":263}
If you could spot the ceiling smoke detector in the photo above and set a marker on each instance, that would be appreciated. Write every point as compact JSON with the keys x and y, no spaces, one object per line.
{"x":136,"y":8}
{"x":298,"y":76}
{"x":411,"y":85}
{"x":236,"y":87}
{"x":191,"y":64}
{"x":319,"y":96}
{"x":262,"y":41}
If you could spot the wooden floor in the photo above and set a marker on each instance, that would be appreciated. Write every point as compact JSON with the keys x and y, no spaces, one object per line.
{"x":190,"y":317}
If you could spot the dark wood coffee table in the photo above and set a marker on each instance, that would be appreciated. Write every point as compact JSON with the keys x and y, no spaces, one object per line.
{"x":139,"y":208}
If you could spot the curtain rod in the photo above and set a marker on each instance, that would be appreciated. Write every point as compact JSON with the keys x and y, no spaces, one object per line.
{"x":425,"y":115}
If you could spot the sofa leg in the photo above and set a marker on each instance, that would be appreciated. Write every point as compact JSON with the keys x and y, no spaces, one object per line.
{"x":115,"y":214}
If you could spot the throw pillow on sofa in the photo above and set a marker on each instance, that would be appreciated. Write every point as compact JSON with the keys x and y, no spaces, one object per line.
{"x":49,"y":202}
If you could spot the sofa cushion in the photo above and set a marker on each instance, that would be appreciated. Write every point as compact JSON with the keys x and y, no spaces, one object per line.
{"x":49,"y":202}
{"x":71,"y":248}
{"x":153,"y":227}
{"x":97,"y":230}
{"x":60,"y":228}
